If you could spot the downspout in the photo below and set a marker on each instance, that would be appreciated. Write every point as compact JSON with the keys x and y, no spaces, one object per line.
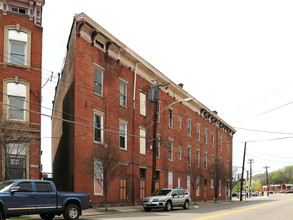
{"x":133,"y":129}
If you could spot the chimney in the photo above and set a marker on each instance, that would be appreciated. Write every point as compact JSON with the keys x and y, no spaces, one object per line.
{"x":181,"y":85}
{"x":215,"y":112}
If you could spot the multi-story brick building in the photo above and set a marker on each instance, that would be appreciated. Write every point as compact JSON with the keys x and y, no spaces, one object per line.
{"x":20,"y":87}
{"x":104,"y":90}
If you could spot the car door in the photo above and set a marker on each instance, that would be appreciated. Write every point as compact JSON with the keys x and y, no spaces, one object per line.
{"x":22,"y":201}
{"x":181,"y":198}
{"x":46,"y":197}
{"x":176,"y":199}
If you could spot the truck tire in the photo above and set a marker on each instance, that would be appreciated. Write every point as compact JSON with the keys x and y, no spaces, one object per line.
{"x":1,"y":216}
{"x":47,"y":216}
{"x":71,"y":212}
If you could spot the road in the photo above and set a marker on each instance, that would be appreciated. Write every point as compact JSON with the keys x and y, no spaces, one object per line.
{"x":275,"y":207}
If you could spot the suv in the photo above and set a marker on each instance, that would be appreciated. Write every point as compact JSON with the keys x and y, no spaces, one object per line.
{"x":167,"y":198}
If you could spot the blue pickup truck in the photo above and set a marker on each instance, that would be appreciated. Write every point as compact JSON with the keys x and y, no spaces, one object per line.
{"x":26,"y":197}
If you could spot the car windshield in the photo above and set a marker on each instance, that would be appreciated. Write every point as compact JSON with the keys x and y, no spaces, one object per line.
{"x":161,"y":192}
{"x":4,"y":186}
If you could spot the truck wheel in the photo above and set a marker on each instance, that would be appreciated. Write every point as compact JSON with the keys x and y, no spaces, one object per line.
{"x":71,"y":212}
{"x":1,"y":216}
{"x":47,"y":216}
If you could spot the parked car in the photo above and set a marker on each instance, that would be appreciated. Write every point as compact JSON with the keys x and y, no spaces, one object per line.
{"x":167,"y":198}
{"x":26,"y":197}
{"x":254,"y":193}
{"x":234,"y":194}
{"x":288,"y":191}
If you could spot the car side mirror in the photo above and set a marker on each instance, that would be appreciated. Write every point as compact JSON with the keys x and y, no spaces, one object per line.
{"x":15,"y":189}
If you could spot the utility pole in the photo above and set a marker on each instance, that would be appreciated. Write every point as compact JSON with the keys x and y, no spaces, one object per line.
{"x":242,"y":176}
{"x":267,"y":176}
{"x":250,"y":161}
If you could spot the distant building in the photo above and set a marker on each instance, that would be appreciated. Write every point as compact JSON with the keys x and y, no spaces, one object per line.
{"x":20,"y":88}
{"x":104,"y":90}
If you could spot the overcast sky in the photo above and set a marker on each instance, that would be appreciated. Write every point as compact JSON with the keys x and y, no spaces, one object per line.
{"x":235,"y":57}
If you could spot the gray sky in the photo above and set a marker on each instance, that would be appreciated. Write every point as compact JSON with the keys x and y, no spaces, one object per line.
{"x":233,"y":56}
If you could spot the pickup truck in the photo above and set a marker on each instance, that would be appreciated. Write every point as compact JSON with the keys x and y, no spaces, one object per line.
{"x":26,"y":197}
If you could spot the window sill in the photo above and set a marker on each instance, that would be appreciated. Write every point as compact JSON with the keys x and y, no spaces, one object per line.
{"x":99,"y":95}
{"x":17,"y":65}
{"x":123,"y":106}
{"x":124,"y":149}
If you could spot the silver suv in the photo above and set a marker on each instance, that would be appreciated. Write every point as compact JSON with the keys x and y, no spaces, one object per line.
{"x":167,"y":198}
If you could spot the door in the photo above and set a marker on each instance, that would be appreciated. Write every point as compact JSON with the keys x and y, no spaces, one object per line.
{"x":23,"y":201}
{"x":122,"y":189}
{"x":46,"y":197}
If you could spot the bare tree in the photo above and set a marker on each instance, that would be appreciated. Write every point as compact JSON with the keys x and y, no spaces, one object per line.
{"x":194,"y":174}
{"x":106,"y":166}
{"x":234,"y":179}
{"x":15,"y":137}
{"x":218,"y":172}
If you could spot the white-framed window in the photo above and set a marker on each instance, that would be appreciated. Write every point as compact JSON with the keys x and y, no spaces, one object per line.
{"x":17,"y":47}
{"x":18,"y":10}
{"x":180,"y":121}
{"x":158,"y":147}
{"x":228,"y":148}
{"x":213,"y":162}
{"x":170,"y":151}
{"x":98,"y":82}
{"x":205,"y":160}
{"x":188,"y":183}
{"x":220,"y":187}
{"x":188,"y":156}
{"x":170,"y":180}
{"x":179,"y":183}
{"x":180,"y":152}
{"x":123,"y":94}
{"x":98,"y":178}
{"x":122,"y":135}
{"x":142,"y":103}
{"x":205,"y":136}
{"x":212,"y":183}
{"x":213,"y":140}
{"x":142,"y":141}
{"x":98,"y":130}
{"x":198,"y":132}
{"x":170,"y":118}
{"x":17,"y":98}
{"x":198,"y":158}
{"x":189,"y":127}
{"x":221,"y":143}
{"x":159,"y":109}
{"x":197,"y":185}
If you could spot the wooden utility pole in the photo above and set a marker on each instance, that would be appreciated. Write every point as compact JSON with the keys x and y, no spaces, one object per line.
{"x":242,"y":176}
{"x":267,"y":177}
{"x":154,"y":147}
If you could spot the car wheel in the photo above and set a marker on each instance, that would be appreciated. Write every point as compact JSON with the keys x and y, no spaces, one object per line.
{"x":71,"y":212}
{"x":169,"y":206}
{"x":147,"y":209}
{"x":47,"y":216}
{"x":186,"y":204}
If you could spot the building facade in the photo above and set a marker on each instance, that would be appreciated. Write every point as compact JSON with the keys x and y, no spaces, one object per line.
{"x":102,"y":99}
{"x":20,"y":87}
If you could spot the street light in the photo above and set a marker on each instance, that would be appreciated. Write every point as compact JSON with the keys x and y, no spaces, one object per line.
{"x":155,"y":138}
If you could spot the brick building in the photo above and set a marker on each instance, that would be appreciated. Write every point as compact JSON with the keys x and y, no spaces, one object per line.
{"x":20,"y":87}
{"x":104,"y":90}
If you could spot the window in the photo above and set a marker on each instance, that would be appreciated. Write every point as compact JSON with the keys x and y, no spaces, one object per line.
{"x":98,"y":181}
{"x":158,"y":147}
{"x":189,"y":156}
{"x":179,"y":184}
{"x":221,"y":143}
{"x":198,"y":158}
{"x":159,"y":109}
{"x":18,"y":10}
{"x":205,"y":160}
{"x":213,"y":140}
{"x":197,"y":185}
{"x":213,"y":162}
{"x":228,"y":148}
{"x":188,"y":183}
{"x":123,"y":135}
{"x":98,"y":88}
{"x":143,"y":103}
{"x":142,"y":141}
{"x":17,"y":98}
{"x":189,"y":127}
{"x":198,"y":132}
{"x":170,"y":180}
{"x":98,"y":132}
{"x":212,"y":183}
{"x":170,"y":118}
{"x":17,"y":44}
{"x":179,"y":152}
{"x":206,"y":136}
{"x":180,"y":121}
{"x":43,"y":187}
{"x":123,"y":94}
{"x":25,"y":187}
{"x":170,"y":150}
{"x":220,"y":187}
